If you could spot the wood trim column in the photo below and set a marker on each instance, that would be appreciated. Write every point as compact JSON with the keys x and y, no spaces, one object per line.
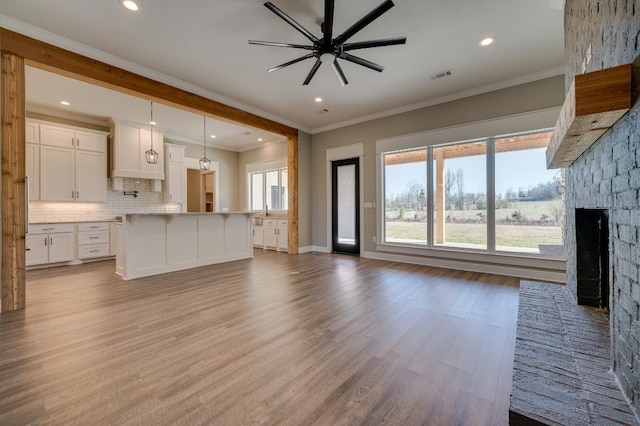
{"x":13,"y":198}
{"x":292,"y":215}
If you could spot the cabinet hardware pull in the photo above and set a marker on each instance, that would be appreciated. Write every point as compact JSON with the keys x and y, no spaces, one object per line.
{"x":94,"y":227}
{"x":94,"y":238}
{"x":50,"y":241}
{"x":78,"y":195}
{"x":45,"y":242}
{"x":93,"y":251}
{"x":78,"y":142}
{"x":48,"y":229}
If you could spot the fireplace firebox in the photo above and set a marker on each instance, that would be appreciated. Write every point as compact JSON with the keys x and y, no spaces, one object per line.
{"x":592,"y":243}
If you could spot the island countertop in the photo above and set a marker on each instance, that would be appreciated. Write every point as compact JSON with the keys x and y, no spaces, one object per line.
{"x":131,"y":217}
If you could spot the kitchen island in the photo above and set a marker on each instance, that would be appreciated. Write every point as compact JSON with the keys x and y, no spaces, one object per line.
{"x":156,"y":243}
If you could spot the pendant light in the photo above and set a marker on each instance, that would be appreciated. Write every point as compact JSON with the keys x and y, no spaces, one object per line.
{"x":151,"y":155}
{"x":205,"y":163}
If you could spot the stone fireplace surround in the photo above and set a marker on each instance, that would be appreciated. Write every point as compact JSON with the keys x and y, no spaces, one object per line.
{"x":607,"y":175}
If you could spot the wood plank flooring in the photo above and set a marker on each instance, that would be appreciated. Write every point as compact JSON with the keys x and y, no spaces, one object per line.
{"x":292,"y":340}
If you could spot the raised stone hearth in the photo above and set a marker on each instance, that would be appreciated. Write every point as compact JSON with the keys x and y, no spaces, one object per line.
{"x":562,"y":368}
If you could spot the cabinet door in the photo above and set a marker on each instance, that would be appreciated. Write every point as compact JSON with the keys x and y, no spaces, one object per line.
{"x":39,"y":249}
{"x":175,"y":153}
{"x":283,"y":238}
{"x":32,"y":132}
{"x":91,"y":176}
{"x":126,"y":150}
{"x":175,"y":182}
{"x":33,"y":170}
{"x":258,"y":236}
{"x":61,"y":247}
{"x":271,"y":237}
{"x":154,"y":171}
{"x":88,"y":141}
{"x":56,"y":136}
{"x":57,"y":182}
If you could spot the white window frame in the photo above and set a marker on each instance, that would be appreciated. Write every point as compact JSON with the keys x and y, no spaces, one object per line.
{"x":278,"y":165}
{"x":487,"y":130}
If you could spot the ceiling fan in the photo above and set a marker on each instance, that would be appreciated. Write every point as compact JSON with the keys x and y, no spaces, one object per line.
{"x":331,"y":48}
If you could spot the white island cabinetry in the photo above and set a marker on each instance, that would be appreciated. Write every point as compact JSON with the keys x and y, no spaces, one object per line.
{"x":156,"y":243}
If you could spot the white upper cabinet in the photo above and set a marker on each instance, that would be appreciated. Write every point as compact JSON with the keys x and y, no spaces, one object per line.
{"x":32,"y":132}
{"x":57,"y":136}
{"x":72,"y":163}
{"x":176,"y":175}
{"x":32,"y":155}
{"x":57,"y":174}
{"x":128,"y":146}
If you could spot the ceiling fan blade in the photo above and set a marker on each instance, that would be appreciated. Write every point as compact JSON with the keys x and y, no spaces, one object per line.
{"x":339,"y":73}
{"x":366,"y":20}
{"x":279,"y":44}
{"x":290,"y":21}
{"x":363,"y":62}
{"x":374,"y":43}
{"x":295,"y":61}
{"x":313,"y":71}
{"x":327,"y":25}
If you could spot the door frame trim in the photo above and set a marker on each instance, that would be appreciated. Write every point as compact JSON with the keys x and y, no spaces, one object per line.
{"x":344,"y":153}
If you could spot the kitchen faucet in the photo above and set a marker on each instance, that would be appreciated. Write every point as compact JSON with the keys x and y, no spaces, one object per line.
{"x":266,"y":210}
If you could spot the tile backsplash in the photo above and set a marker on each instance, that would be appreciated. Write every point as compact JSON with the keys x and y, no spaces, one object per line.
{"x":117,"y":204}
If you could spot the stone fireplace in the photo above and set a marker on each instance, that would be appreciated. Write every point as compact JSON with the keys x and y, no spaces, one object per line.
{"x":603,"y":185}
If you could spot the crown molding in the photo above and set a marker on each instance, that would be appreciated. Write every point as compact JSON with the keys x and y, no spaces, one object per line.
{"x":527,"y":78}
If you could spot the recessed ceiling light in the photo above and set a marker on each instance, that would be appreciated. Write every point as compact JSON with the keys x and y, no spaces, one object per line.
{"x":153,"y":123}
{"x":318,"y":99}
{"x":213,"y":136}
{"x":259,"y":139}
{"x":487,"y":41}
{"x":65,"y":103}
{"x":130,"y":4}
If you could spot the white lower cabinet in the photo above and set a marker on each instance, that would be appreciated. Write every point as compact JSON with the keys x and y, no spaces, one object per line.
{"x":283,"y":235}
{"x":276,"y":234}
{"x":93,"y":240}
{"x":50,"y":244}
{"x":258,"y":236}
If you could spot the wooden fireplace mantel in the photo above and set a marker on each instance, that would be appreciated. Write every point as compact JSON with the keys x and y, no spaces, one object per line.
{"x":595,"y":101}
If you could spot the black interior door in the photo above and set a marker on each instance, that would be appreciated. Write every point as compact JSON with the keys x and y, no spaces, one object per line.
{"x":346,"y":206}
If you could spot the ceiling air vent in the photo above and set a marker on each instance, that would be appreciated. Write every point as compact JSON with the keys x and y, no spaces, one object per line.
{"x":245,"y":133}
{"x":440,"y":75}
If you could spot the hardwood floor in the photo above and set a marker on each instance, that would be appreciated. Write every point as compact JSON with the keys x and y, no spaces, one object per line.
{"x":308,"y":339}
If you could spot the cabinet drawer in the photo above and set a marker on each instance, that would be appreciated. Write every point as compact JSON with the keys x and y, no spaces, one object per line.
{"x":99,"y":226}
{"x":93,"y":250}
{"x":283,"y":223}
{"x":50,"y":229}
{"x":97,"y":237}
{"x":270,"y":222}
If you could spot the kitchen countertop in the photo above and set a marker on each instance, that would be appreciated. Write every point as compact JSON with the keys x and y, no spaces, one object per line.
{"x":62,"y":222}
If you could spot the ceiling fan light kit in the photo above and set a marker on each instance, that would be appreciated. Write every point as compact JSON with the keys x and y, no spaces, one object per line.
{"x":329,"y":49}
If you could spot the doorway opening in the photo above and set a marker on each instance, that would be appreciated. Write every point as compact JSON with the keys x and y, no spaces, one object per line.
{"x":201,"y":193}
{"x":345,"y":217}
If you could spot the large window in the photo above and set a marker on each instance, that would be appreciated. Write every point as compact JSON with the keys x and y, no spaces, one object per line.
{"x":528,"y":201}
{"x":268,"y":190}
{"x":491,"y":194}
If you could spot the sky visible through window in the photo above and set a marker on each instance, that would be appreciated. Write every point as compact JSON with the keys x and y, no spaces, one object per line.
{"x":510,"y":172}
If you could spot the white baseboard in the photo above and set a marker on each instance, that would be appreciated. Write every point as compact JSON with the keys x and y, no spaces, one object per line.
{"x":320,"y":249}
{"x":511,"y":271}
{"x":307,"y":249}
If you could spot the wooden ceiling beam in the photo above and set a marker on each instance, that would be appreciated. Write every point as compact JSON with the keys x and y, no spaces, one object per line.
{"x":51,"y":58}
